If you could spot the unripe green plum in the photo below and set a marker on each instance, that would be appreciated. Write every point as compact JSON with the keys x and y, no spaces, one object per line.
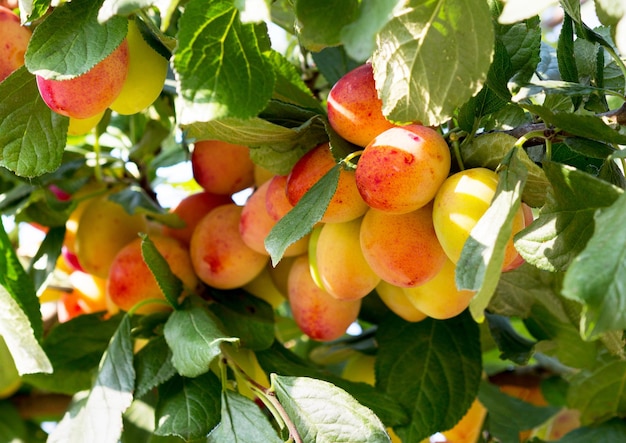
{"x":103,"y":229}
{"x":341,"y":265}
{"x":221,"y":167}
{"x":460,"y":202}
{"x":80,"y":126}
{"x":263,"y":286}
{"x":402,"y":248}
{"x":147,"y":71}
{"x":402,"y":168}
{"x":439,"y":297}
{"x":190,"y":210}
{"x":131,"y":281}
{"x":354,"y":108}
{"x":398,"y":302}
{"x":91,"y":93}
{"x":14,"y":40}
{"x":346,"y":204}
{"x":10,"y":379}
{"x":219,"y":255}
{"x":317,"y":313}
{"x":256,"y":223}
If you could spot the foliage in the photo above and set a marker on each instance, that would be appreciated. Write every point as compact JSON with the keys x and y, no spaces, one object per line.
{"x":547,"y":115}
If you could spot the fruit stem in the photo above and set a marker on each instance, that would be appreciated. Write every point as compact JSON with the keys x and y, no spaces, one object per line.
{"x":347,"y":160}
{"x":456,"y":148}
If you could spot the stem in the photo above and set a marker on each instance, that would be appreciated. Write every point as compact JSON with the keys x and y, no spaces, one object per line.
{"x":347,"y":161}
{"x":147,"y":302}
{"x":456,"y":148}
{"x":98,"y":153}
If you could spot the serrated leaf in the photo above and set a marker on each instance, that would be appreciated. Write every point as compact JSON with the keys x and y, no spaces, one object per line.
{"x":509,"y":415}
{"x":188,"y":407}
{"x":194,"y":335}
{"x":523,"y":44}
{"x":594,"y":277}
{"x":566,"y":222}
{"x":75,"y":349}
{"x":290,"y":87}
{"x":242,"y":422}
{"x":315,"y":31}
{"x":98,"y":418}
{"x":324,"y":413}
{"x":429,"y":59}
{"x":153,"y":365}
{"x":168,"y":282}
{"x":490,"y":149}
{"x":480,"y":264}
{"x":565,"y":52}
{"x":220,"y":65}
{"x":246,"y":317}
{"x":590,"y":148}
{"x":60,"y":52}
{"x":599,"y":394}
{"x":32,"y":137}
{"x":300,"y":220}
{"x":432,"y":368}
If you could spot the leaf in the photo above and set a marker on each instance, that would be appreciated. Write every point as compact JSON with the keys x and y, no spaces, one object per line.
{"x":135,"y":200}
{"x":300,"y":220}
{"x":523,"y":44}
{"x":169,"y":283}
{"x":509,"y":415}
{"x":32,"y":137}
{"x":289,"y":86}
{"x":512,"y":345}
{"x":594,"y":277}
{"x":432,"y":368}
{"x":334,"y":62}
{"x":188,"y":407}
{"x":488,"y":151}
{"x":586,"y":126}
{"x":75,"y":349}
{"x":98,"y":417}
{"x":246,"y":317}
{"x":49,"y":250}
{"x":12,"y":426}
{"x":194,"y":335}
{"x":566,"y":222}
{"x":599,"y":394}
{"x":424,"y":50}
{"x":590,"y":148}
{"x":322,"y":412}
{"x":281,"y":361}
{"x":111,"y":8}
{"x":565,"y":52}
{"x":60,"y":52}
{"x":315,"y":31}
{"x":153,"y":365}
{"x":480,"y":264}
{"x":611,"y":430}
{"x":359,"y":36}
{"x":558,"y":87}
{"x":518,"y":10}
{"x":242,"y":422}
{"x":220,"y":65}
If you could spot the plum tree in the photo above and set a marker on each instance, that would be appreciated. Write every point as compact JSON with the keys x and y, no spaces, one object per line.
{"x":222,"y":168}
{"x":147,"y":70}
{"x":130,"y":280}
{"x":219,"y":255}
{"x":354,"y":108}
{"x":346,"y":203}
{"x":402,"y":169}
{"x":91,"y":93}
{"x":14,"y":38}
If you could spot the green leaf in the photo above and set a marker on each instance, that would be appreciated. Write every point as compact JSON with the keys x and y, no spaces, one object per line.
{"x":611,"y":430}
{"x":432,"y":368}
{"x":324,"y":413}
{"x":599,"y":394}
{"x":169,"y":283}
{"x":282,"y":361}
{"x":111,"y":8}
{"x":75,"y":349}
{"x":566,"y":222}
{"x":315,"y":30}
{"x":188,"y":407}
{"x":509,"y":415}
{"x":558,"y":87}
{"x":359,"y":37}
{"x":586,"y":126}
{"x":594,"y":277}
{"x":60,"y":52}
{"x":300,"y":220}
{"x":32,"y":137}
{"x":479,"y":267}
{"x":513,"y":346}
{"x":135,"y":200}
{"x":98,"y":417}
{"x":333,"y":63}
{"x":12,"y":426}
{"x":422,"y":53}
{"x":49,"y":250}
{"x":220,"y":65}
{"x":194,"y":335}
{"x":523,"y":43}
{"x":242,"y":422}
{"x":246,"y":317}
{"x":290,"y":87}
{"x":565,"y":52}
{"x":31,"y":11}
{"x":153,"y":365}
{"x":590,"y":148}
{"x":488,"y":151}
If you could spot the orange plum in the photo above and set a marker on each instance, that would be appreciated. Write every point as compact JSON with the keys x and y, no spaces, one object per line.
{"x":398,"y":302}
{"x":14,"y":40}
{"x":221,"y":167}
